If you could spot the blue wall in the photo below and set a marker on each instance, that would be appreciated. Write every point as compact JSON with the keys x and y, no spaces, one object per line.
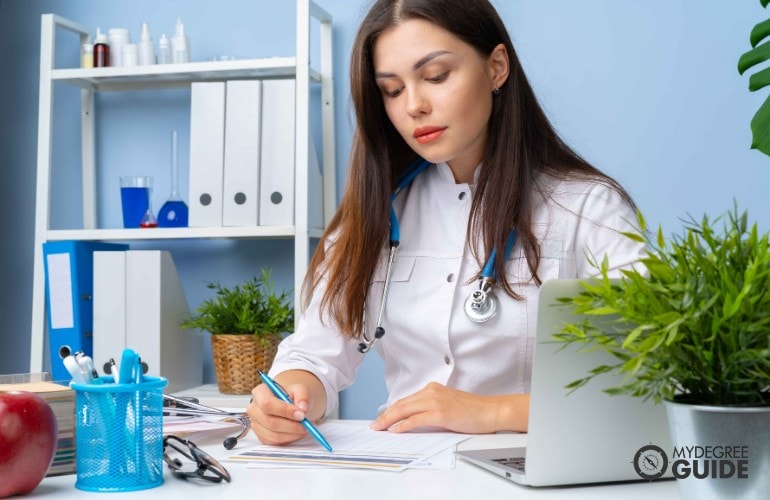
{"x":647,"y":91}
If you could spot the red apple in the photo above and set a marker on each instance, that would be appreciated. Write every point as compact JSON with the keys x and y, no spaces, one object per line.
{"x":28,"y":438}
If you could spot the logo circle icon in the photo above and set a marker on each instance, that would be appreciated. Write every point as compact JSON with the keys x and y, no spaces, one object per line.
{"x":650,"y":462}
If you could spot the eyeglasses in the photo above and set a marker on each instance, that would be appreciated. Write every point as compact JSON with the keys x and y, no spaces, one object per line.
{"x":201,"y":465}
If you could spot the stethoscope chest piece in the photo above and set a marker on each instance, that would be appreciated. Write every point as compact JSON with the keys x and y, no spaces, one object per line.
{"x":481,"y":305}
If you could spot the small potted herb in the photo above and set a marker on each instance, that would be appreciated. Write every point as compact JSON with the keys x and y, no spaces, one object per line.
{"x":246,"y":323}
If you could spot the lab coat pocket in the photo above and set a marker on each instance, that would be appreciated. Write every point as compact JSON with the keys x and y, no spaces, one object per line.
{"x":402,"y":268}
{"x":519,"y":275}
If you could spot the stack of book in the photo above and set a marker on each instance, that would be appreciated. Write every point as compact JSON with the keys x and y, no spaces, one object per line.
{"x":62,"y":401}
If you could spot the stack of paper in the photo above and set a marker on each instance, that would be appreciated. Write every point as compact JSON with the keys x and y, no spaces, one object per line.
{"x":357,"y":446}
{"x":62,"y":402}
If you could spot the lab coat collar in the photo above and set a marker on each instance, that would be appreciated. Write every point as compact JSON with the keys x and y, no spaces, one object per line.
{"x":446,"y":172}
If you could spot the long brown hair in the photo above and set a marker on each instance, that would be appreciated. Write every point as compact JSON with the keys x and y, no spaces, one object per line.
{"x":521,"y":145}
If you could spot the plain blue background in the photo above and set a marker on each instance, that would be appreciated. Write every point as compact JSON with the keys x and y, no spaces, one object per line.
{"x":647,"y":90}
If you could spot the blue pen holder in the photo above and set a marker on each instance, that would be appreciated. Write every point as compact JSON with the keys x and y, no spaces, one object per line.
{"x":119,"y":435}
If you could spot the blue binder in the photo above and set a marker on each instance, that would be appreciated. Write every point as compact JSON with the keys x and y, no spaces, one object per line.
{"x":69,"y":286}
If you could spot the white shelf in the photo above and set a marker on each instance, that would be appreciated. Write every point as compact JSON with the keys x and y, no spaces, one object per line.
{"x":158,"y":233}
{"x":177,"y":75}
{"x":156,"y":77}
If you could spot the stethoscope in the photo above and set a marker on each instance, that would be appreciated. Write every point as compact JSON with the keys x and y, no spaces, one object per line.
{"x":185,"y":407}
{"x":481,"y":304}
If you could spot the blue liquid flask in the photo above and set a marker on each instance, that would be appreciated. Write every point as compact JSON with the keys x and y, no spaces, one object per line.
{"x":174,"y":212}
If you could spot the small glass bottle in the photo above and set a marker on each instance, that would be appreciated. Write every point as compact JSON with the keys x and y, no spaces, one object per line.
{"x":101,"y":50}
{"x":87,"y":55}
{"x":164,"y":50}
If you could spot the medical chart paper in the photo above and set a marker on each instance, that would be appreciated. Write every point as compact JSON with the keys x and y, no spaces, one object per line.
{"x":357,"y":446}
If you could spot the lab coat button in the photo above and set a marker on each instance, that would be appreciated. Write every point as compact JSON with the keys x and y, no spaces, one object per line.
{"x":462,"y":195}
{"x":447,"y":360}
{"x":450,"y":278}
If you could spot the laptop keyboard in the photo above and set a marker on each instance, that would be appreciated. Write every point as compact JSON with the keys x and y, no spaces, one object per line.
{"x":514,"y":462}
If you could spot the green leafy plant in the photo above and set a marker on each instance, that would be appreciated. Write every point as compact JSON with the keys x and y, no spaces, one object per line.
{"x":759,"y":53}
{"x":695,"y":324}
{"x":251,"y":308}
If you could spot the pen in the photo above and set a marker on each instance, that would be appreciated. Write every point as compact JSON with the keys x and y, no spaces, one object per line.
{"x":283,"y":396}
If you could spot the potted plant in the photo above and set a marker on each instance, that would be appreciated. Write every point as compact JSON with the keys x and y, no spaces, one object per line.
{"x":246,"y":323}
{"x":691,"y":328}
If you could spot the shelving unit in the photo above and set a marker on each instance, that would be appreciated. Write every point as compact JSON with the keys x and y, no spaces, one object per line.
{"x":158,"y":77}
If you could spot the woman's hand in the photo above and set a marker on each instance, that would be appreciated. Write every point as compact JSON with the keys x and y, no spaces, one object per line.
{"x":439,"y":406}
{"x":278,"y":423}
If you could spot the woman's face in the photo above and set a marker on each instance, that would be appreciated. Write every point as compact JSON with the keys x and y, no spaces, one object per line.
{"x":437,"y":92}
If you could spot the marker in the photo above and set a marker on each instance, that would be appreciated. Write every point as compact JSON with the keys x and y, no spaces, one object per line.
{"x":283,"y":396}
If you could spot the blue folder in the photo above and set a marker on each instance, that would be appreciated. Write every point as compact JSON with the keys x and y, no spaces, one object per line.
{"x":69,"y":286}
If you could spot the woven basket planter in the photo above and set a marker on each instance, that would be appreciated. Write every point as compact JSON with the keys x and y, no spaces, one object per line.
{"x":237,"y":358}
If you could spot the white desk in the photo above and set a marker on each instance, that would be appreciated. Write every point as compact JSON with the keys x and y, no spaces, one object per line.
{"x":466,"y":481}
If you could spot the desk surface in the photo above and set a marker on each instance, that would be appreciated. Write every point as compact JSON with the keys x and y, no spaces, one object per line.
{"x":464,"y":482}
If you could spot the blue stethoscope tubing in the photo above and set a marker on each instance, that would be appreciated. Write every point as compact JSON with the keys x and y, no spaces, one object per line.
{"x":480,"y":306}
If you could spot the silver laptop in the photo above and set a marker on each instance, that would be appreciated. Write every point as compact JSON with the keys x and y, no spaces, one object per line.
{"x":585,"y":436}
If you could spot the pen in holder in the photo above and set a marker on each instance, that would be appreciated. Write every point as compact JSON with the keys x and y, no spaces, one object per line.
{"x":119,"y":434}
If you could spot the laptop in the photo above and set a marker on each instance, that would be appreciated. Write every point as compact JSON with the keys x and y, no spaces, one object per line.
{"x":585,"y":436}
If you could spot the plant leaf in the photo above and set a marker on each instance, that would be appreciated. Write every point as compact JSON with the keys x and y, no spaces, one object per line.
{"x":758,"y":54}
{"x":761,"y":30}
{"x":760,"y":128}
{"x":759,"y":79}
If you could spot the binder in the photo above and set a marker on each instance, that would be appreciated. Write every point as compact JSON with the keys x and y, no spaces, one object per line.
{"x":242,"y":144}
{"x":68,"y":267}
{"x":109,"y":307}
{"x":155,"y":308}
{"x":207,"y":143}
{"x":276,"y":191}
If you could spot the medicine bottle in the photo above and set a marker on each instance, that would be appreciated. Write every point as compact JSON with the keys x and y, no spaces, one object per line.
{"x":130,"y":55}
{"x":146,"y":48}
{"x":118,"y":37}
{"x":87,"y":55}
{"x":164,"y":50}
{"x":180,"y":44}
{"x":101,"y":50}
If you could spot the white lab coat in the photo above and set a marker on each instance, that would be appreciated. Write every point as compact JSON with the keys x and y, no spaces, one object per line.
{"x":428,"y":336}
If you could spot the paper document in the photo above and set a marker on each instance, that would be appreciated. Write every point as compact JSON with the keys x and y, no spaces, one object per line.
{"x":357,"y":446}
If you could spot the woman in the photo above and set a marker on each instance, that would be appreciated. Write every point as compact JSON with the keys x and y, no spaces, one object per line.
{"x":439,"y":80}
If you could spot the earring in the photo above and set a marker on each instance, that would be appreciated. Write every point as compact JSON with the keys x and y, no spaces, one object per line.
{"x":496,"y":91}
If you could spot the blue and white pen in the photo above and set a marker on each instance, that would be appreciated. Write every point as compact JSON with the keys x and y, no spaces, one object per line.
{"x":281,"y":394}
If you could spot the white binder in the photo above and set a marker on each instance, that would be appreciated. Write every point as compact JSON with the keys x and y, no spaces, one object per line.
{"x":242,"y":144}
{"x":109,"y":307}
{"x":207,"y":144}
{"x":276,"y":191}
{"x":155,"y":308}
